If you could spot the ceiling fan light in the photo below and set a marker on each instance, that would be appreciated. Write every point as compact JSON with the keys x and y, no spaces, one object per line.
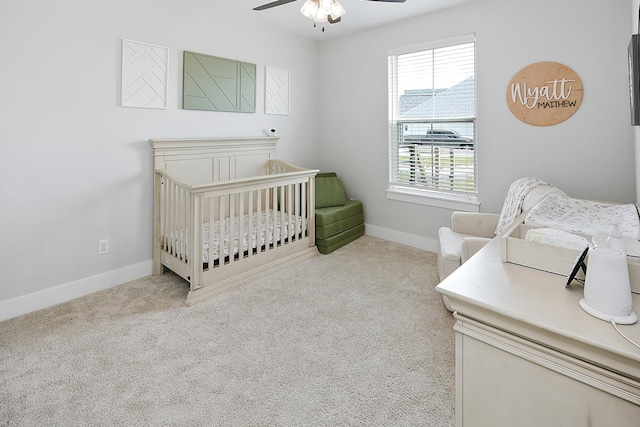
{"x":337,"y":10}
{"x":321,"y":11}
{"x":320,"y":16}
{"x":309,"y":9}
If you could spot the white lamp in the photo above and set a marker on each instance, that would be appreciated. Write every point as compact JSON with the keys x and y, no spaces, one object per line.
{"x":607,"y":291}
{"x":309,"y":9}
{"x":336,"y":10}
{"x":320,"y":10}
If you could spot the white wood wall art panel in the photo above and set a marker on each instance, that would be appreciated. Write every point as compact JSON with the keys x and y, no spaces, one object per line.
{"x":144,"y":75}
{"x":276,"y":99}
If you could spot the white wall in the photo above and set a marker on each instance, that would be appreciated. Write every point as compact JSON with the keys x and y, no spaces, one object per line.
{"x":75,"y":167}
{"x":635,"y":5}
{"x":591,"y":155}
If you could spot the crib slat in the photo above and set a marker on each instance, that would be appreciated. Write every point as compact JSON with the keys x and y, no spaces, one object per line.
{"x":188,"y":214}
{"x":274,"y":208}
{"x":284,"y":232}
{"x":267,"y":235}
{"x":182,"y":231}
{"x":172,"y":229}
{"x":296,"y":210}
{"x":283,"y":215}
{"x":212,"y":227}
{"x":180,"y":243}
{"x":303,"y":213}
{"x":179,"y":220}
{"x":186,"y":197}
{"x":232,"y":227}
{"x":241,"y":227}
{"x":163,"y":212}
{"x":287,"y":212}
{"x":260,"y":230}
{"x":167,"y":211}
{"x":182,"y":221}
{"x":250,"y":226}
{"x":194,"y":256}
{"x":221,"y":233}
{"x":301,"y":206}
{"x":176,"y":224}
{"x":274,"y":216}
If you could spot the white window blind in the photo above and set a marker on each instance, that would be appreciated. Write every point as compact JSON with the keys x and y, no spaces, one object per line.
{"x":432,"y":117}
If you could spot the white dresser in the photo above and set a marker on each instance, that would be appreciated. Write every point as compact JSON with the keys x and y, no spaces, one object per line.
{"x":528,"y":355}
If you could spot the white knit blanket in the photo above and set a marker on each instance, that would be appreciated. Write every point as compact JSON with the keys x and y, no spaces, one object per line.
{"x":519,"y":189}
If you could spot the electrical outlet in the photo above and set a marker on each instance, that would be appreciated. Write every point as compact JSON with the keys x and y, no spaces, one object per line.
{"x":103,"y":246}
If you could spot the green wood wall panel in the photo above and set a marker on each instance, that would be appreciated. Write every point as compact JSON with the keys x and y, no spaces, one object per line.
{"x":218,"y":84}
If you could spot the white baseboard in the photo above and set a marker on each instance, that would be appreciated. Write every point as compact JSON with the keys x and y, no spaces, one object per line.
{"x":412,"y":240}
{"x":48,"y":297}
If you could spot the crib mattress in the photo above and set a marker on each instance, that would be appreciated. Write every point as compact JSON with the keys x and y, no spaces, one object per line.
{"x":259,"y":236}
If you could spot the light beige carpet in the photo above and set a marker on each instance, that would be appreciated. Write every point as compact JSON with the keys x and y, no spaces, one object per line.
{"x":358,"y":337}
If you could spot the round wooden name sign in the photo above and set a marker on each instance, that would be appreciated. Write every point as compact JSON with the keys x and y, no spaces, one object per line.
{"x":544,"y":93}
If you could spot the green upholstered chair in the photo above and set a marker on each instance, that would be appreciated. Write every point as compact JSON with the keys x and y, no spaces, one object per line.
{"x":338,"y":220}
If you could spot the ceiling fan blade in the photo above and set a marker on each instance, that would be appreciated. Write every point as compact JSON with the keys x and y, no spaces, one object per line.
{"x":273,"y":4}
{"x":333,"y":21}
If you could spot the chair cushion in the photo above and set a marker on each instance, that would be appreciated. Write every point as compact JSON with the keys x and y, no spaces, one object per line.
{"x":450,"y":243}
{"x":332,"y":214}
{"x":327,"y":230}
{"x":329,"y":192}
{"x":334,"y":242}
{"x":325,"y":174}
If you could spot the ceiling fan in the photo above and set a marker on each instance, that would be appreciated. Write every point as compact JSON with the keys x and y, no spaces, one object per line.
{"x":330,"y":11}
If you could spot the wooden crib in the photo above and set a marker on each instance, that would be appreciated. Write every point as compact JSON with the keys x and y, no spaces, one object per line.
{"x":227,"y":212}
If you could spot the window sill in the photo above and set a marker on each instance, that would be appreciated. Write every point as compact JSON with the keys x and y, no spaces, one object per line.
{"x":435,"y":199}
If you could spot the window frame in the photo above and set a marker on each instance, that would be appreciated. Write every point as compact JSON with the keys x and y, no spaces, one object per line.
{"x":427,"y":196}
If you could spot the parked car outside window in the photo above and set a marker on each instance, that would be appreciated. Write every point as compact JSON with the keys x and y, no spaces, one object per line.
{"x":443,"y":137}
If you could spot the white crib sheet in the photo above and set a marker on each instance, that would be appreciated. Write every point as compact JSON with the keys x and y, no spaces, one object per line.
{"x":282,"y":231}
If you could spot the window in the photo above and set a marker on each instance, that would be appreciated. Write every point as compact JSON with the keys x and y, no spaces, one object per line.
{"x":432,"y":120}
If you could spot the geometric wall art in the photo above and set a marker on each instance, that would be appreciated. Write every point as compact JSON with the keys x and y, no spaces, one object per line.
{"x":144,"y":75}
{"x":218,"y":84}
{"x":276,"y":91}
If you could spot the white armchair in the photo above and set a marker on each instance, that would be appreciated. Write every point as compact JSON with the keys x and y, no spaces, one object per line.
{"x":470,"y":231}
